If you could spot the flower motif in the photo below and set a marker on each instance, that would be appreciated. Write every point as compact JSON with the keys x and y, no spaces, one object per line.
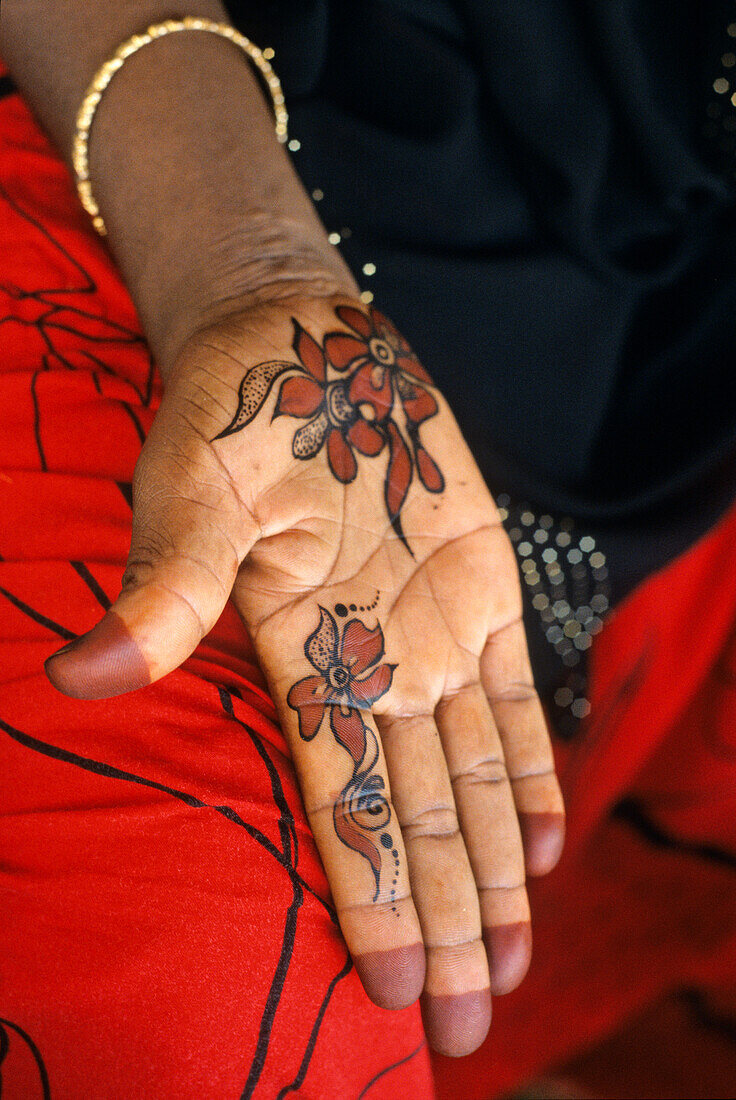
{"x":333,"y":416}
{"x":380,"y":398}
{"x":382,"y":366}
{"x":349,"y":679}
{"x":374,"y":353}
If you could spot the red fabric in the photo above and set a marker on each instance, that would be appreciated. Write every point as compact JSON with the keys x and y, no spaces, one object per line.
{"x":166,"y":924}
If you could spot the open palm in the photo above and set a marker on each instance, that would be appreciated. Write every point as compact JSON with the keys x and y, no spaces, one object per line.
{"x":303,"y":464}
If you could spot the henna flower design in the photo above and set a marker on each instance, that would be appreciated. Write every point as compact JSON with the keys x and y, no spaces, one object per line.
{"x":376,"y":352}
{"x":349,"y":679}
{"x":361,"y":392}
{"x":334,"y":417}
{"x":383,"y":369}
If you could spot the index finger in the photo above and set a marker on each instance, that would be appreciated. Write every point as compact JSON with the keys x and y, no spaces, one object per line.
{"x":342,"y":773}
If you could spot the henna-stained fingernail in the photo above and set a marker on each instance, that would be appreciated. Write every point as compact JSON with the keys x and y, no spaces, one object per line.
{"x":105,"y":661}
{"x":509,"y":948}
{"x":456,"y":1024}
{"x":543,"y":837}
{"x":393,"y":978}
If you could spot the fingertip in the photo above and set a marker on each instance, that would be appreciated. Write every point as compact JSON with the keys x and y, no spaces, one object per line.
{"x":509,"y":948}
{"x":456,"y":1024}
{"x":393,"y":978}
{"x":104,"y":662}
{"x":543,"y":837}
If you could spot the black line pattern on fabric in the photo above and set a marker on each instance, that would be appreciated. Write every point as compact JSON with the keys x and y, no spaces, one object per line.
{"x":708,"y":1018}
{"x":136,"y":422}
{"x":274,"y":994}
{"x":111,"y":772}
{"x":103,"y":367}
{"x":7,"y":87}
{"x":94,"y":586}
{"x":4,"y":1047}
{"x":42,"y":620}
{"x":287,"y":830}
{"x":299,"y":885}
{"x":37,"y":421}
{"x":284,"y":823}
{"x":287,"y":825}
{"x":394,"y":1065}
{"x":302,"y":1071}
{"x":42,"y":1073}
{"x":57,"y":312}
{"x":633,"y":812}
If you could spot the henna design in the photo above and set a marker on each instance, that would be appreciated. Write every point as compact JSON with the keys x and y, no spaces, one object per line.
{"x":350,"y":391}
{"x":350,"y":678}
{"x":254,"y":389}
{"x":363,"y":809}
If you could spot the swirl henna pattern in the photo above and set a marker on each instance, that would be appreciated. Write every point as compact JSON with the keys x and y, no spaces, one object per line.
{"x":348,"y":680}
{"x":361,"y":391}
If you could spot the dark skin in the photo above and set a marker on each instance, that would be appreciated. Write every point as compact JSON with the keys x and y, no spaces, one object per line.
{"x":224,"y":255}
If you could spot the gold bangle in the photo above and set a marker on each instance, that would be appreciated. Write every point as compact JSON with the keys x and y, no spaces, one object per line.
{"x":103,"y":76}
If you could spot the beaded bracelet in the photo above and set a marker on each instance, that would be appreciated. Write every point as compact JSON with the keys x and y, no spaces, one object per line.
{"x":86,"y":113}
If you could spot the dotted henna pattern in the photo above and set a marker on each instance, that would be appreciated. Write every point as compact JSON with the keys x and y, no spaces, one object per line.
{"x":308,"y":438}
{"x":254,"y":390}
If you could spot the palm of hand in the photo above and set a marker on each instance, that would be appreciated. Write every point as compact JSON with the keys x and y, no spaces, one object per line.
{"x":313,"y":473}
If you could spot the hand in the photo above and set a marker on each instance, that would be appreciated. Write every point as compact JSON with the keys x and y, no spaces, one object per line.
{"x":303,"y":464}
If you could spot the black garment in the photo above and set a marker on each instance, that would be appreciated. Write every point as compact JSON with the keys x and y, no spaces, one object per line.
{"x":551,"y":229}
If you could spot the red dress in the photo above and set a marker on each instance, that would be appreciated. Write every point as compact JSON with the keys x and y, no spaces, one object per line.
{"x":166,"y":925}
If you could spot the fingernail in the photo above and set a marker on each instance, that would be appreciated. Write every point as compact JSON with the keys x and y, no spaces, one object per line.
{"x":509,"y":948}
{"x":456,"y":1024}
{"x":393,"y":978}
{"x":105,"y":661}
{"x":543,"y":836}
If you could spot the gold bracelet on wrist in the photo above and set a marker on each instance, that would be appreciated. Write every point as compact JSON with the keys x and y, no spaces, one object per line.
{"x":103,"y":76}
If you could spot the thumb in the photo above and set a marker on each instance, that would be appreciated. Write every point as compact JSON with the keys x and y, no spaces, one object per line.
{"x":191,"y":532}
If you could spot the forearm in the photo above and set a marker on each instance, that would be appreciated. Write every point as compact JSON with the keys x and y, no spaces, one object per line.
{"x":203,"y":209}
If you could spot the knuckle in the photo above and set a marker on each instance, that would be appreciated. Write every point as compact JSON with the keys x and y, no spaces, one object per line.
{"x":449,"y":946}
{"x":434,"y":823}
{"x":482,"y":773}
{"x":149,"y":549}
{"x":515,"y":692}
{"x":505,"y":888}
{"x":373,"y":909}
{"x":547,"y":771}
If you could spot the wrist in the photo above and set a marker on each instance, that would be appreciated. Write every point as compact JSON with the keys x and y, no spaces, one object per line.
{"x":204,"y":211}
{"x":266,"y":261}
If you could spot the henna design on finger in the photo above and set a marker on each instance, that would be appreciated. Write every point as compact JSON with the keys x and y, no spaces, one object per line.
{"x":349,"y":679}
{"x":361,"y":391}
{"x":362,"y":810}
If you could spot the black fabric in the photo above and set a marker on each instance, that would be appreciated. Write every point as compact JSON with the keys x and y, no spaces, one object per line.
{"x":551,"y":228}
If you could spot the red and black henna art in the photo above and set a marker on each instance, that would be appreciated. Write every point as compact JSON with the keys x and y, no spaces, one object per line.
{"x":349,"y":679}
{"x":354,"y":391}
